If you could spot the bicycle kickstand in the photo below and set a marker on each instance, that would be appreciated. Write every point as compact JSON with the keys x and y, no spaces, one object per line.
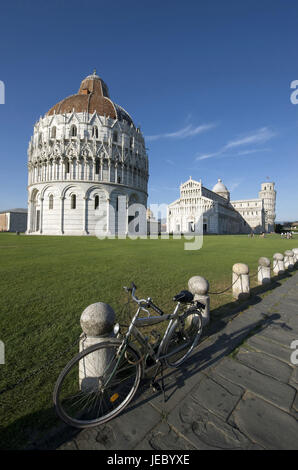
{"x":155,"y":385}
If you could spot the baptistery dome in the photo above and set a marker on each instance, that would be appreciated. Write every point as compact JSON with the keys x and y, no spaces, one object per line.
{"x":84,"y":154}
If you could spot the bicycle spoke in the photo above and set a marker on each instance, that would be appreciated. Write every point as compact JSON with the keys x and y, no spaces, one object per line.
{"x":82,"y":395}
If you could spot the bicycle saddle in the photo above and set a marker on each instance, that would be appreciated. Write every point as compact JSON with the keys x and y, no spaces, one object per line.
{"x":183,"y":296}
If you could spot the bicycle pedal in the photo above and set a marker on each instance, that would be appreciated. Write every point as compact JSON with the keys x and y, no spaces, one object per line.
{"x":156,"y":387}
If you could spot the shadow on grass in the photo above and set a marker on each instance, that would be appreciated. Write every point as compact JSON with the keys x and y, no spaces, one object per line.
{"x":32,"y":431}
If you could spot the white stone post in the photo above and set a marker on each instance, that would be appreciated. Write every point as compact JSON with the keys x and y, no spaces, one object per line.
{"x":295,"y":251}
{"x":264,"y":272}
{"x":97,"y":321}
{"x":278,"y":264}
{"x":199,"y":288}
{"x":289,"y":260}
{"x":240,"y":281}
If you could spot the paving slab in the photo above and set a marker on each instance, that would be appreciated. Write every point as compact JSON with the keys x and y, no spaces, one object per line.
{"x":261,"y":343}
{"x":163,"y":437}
{"x":279,"y":332}
{"x":217,"y":395}
{"x":123,"y":432}
{"x":265,"y":424}
{"x":270,"y":389}
{"x":265,"y":364}
{"x":204,"y":430}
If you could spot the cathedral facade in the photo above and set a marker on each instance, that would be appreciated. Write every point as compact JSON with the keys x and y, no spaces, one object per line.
{"x":85,"y":153}
{"x":217,"y":214}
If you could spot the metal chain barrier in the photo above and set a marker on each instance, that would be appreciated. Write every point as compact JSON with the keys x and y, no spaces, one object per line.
{"x":225,"y":290}
{"x":252,"y":276}
{"x":46,"y":365}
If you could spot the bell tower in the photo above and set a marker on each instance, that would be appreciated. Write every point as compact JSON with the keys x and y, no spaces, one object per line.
{"x":268,"y":194}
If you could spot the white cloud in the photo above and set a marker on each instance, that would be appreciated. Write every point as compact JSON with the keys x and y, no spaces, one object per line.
{"x":170,"y":162}
{"x":260,"y":136}
{"x":183,"y":133}
{"x":248,"y":152}
{"x":208,"y":155}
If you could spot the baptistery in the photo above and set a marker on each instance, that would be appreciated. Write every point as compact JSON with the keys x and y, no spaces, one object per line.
{"x":86,"y":161}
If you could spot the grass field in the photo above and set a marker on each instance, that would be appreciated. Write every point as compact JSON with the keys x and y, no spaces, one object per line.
{"x":46,"y":282}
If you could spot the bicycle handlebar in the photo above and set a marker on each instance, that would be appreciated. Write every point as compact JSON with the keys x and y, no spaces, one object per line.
{"x":147,"y":302}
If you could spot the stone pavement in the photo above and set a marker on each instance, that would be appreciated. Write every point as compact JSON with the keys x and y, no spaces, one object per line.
{"x":237,"y":391}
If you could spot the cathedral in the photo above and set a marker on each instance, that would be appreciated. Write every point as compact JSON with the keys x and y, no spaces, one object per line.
{"x":217,"y":214}
{"x":85,"y":153}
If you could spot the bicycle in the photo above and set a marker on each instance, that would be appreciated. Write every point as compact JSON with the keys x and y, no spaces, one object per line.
{"x":103,"y":394}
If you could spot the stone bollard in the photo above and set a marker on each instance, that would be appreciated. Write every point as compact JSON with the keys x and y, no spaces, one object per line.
{"x":264,"y":272}
{"x":289,"y":260}
{"x":295,"y":251}
{"x":199,"y":287}
{"x":240,"y":280}
{"x":97,"y":321}
{"x":278,"y":264}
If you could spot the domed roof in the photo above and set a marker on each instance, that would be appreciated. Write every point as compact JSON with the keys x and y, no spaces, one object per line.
{"x":220,"y":187}
{"x":93,"y":95}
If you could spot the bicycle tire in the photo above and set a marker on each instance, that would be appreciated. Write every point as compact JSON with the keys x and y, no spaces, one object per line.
{"x":94,"y":384}
{"x":192,"y":319}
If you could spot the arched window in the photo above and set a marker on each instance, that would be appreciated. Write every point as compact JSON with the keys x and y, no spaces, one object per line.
{"x":73,"y":201}
{"x":73,"y":131}
{"x":51,"y":201}
{"x":96,"y":202}
{"x":53,"y":133}
{"x":67,"y":166}
{"x":40,"y":138}
{"x":95,"y":132}
{"x":115,"y":136}
{"x":97,"y":166}
{"x":119,"y":179}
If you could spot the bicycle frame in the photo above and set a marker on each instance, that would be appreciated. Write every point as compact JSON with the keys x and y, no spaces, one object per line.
{"x":151,"y":320}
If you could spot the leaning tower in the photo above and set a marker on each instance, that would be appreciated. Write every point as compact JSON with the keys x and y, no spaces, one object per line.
{"x":268,"y":194}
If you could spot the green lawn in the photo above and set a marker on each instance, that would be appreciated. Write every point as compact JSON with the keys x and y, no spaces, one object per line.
{"x":46,"y":282}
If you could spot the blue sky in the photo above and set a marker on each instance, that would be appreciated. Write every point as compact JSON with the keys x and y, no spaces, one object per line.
{"x":207,"y":81}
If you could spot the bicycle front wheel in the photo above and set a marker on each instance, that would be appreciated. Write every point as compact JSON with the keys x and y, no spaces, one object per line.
{"x":97,"y":384}
{"x":182,"y":338}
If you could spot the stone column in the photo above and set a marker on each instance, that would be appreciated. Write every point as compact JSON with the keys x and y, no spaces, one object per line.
{"x":295,"y":251}
{"x":97,"y":322}
{"x":289,"y":260}
{"x":199,"y":287}
{"x":264,"y":272}
{"x":94,"y":169}
{"x":41,"y":214}
{"x":101,"y":169}
{"x":278,"y":264}
{"x":240,"y":281}
{"x":61,"y":214}
{"x":85,"y":202}
{"x":116,"y":173}
{"x":29,"y":220}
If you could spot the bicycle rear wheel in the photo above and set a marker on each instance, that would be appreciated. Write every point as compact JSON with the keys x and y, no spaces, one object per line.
{"x":87,"y":394}
{"x":182,"y":338}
